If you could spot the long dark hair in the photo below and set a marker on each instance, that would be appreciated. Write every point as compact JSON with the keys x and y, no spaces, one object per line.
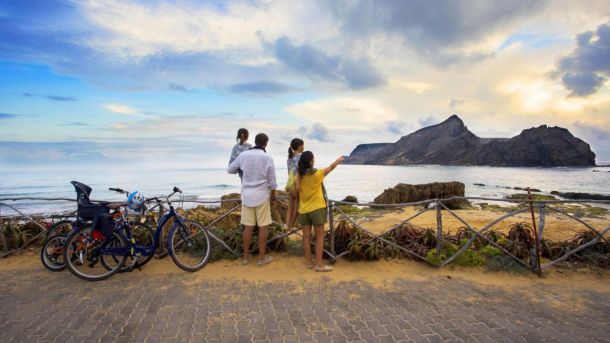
{"x":304,"y":162}
{"x":294,"y":145}
{"x":241,"y":132}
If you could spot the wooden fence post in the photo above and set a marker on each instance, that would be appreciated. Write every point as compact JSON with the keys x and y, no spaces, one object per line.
{"x":439,"y":228}
{"x":332,"y":231}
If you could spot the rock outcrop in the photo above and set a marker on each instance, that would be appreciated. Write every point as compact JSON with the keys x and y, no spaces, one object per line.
{"x":581,"y":196}
{"x":451,"y":143}
{"x":404,"y":193}
{"x":278,"y":208}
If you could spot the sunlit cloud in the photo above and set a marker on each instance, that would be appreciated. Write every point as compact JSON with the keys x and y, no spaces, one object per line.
{"x":121,"y":109}
{"x":344,"y":112}
{"x":417,"y":87}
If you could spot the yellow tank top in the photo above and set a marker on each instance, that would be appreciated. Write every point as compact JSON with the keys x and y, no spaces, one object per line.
{"x":311,"y":197}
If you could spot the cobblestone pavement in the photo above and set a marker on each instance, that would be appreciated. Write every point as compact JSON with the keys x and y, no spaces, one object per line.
{"x":43,"y":306}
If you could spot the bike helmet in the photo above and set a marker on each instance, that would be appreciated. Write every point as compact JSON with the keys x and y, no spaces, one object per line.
{"x":135,"y":201}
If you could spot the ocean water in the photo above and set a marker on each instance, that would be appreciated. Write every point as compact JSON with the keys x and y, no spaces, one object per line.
{"x":364,"y":182}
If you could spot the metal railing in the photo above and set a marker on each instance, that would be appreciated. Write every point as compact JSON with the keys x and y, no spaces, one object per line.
{"x":437,"y":205}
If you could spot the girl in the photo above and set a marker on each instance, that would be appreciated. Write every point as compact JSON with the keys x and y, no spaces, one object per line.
{"x":240,"y":146}
{"x":312,"y":205}
{"x":294,"y":152}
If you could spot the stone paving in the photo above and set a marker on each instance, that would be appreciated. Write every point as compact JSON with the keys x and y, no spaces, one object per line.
{"x":179,"y":307}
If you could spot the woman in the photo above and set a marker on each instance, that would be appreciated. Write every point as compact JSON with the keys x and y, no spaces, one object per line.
{"x":312,"y":206}
{"x":239,"y":147}
{"x":294,"y":153}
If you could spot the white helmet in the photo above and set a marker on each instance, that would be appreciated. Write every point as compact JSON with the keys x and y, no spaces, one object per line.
{"x":135,"y":201}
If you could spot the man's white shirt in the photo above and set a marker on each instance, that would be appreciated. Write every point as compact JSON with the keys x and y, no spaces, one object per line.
{"x":258,"y":178}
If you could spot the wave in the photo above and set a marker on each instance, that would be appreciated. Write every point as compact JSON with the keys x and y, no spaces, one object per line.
{"x":221,"y":185}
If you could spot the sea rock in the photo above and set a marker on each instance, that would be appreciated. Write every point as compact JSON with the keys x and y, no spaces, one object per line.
{"x":350,"y":198}
{"x":535,"y":197}
{"x":404,"y":193}
{"x":536,"y":190}
{"x":451,"y":143}
{"x":228,"y":201}
{"x":480,"y":184}
{"x":581,"y":196}
{"x":206,"y":215}
{"x":278,"y":207}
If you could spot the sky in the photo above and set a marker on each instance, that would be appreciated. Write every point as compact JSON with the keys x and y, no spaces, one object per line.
{"x":170,"y":82}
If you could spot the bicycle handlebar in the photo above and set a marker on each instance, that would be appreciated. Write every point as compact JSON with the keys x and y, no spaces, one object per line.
{"x":118,"y":190}
{"x":159,"y":199}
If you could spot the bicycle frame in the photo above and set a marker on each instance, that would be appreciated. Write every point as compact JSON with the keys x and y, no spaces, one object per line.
{"x":149,"y":250}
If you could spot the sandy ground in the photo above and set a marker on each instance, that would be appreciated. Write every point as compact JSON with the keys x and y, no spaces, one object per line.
{"x":292,"y":269}
{"x":557,"y":226}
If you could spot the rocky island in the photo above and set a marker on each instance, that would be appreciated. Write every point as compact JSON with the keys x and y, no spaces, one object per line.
{"x":451,"y":143}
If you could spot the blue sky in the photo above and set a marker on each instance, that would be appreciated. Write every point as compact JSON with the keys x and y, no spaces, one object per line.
{"x":144,"y":81}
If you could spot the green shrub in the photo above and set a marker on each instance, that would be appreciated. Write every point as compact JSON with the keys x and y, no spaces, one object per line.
{"x":505,"y":263}
{"x":490,"y":251}
{"x":470,"y":258}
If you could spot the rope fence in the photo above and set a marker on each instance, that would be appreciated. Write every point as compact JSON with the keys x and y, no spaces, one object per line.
{"x":336,"y":212}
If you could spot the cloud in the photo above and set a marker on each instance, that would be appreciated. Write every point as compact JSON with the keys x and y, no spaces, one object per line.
{"x":179,"y":88}
{"x":427,"y":121}
{"x":7,"y":116}
{"x":445,"y":31}
{"x":318,"y":132}
{"x":586,"y":69}
{"x":345,"y":112}
{"x":121,"y":109}
{"x":454,"y":102}
{"x":355,"y":73}
{"x":582,"y":84}
{"x":397,"y":127}
{"x":51,"y":97}
{"x":594,"y":131}
{"x":74,"y":123}
{"x":417,"y":87}
{"x":261,"y":88}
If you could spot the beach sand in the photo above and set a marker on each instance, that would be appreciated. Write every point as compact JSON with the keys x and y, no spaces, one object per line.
{"x":557,"y":226}
{"x":286,"y":268}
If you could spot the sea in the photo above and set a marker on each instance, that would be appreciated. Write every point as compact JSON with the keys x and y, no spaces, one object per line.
{"x":364,"y":182}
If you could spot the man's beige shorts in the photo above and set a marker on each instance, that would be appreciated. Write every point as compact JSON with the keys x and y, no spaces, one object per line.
{"x":260,"y":215}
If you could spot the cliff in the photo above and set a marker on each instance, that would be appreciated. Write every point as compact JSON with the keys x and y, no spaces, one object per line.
{"x":451,"y":143}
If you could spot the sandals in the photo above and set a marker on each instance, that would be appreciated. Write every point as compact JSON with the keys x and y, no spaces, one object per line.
{"x":246,"y":259}
{"x":266,"y":260}
{"x":324,"y":269}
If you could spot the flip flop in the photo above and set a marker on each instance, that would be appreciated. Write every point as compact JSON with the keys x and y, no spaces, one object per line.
{"x":265,"y":260}
{"x":324,"y":269}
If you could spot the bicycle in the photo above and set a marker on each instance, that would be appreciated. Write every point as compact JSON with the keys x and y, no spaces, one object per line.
{"x":51,"y":253}
{"x":188,"y":243}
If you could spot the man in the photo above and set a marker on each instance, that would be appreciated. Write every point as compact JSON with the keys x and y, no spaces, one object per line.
{"x":257,"y":192}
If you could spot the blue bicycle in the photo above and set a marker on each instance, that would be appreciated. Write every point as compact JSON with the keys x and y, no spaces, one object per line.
{"x":93,"y":259}
{"x":52,"y":255}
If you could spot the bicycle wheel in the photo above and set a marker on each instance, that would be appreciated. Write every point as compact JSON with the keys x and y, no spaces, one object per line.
{"x":51,"y":253}
{"x":83,"y":255}
{"x":61,"y":227}
{"x":189,"y":245}
{"x":143,"y":237}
